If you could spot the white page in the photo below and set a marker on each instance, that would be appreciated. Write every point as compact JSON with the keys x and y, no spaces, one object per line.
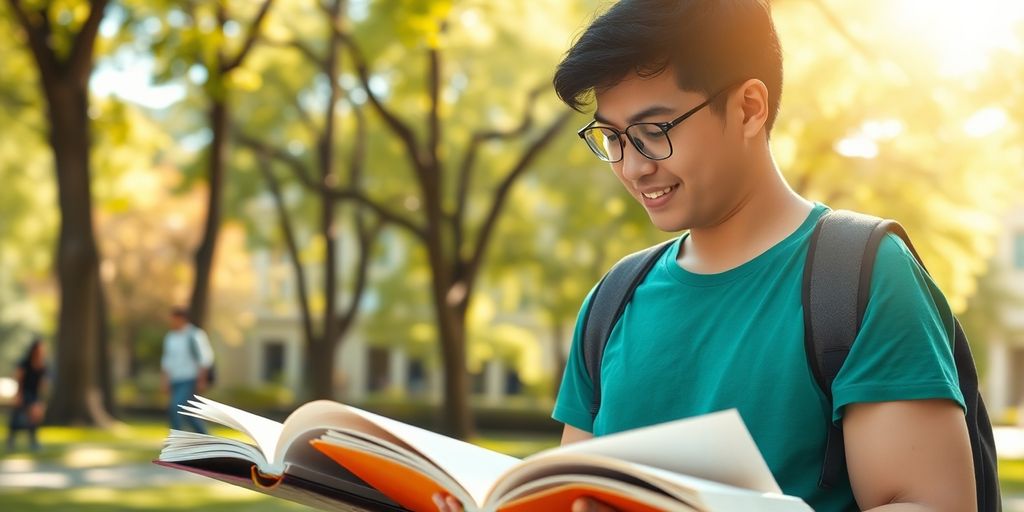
{"x":264,"y":432}
{"x":703,"y":493}
{"x":641,"y":494}
{"x":323,"y":415}
{"x":474,"y":467}
{"x":722,"y":498}
{"x":714,"y":447}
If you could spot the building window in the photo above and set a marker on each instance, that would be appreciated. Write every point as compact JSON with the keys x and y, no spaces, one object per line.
{"x":1018,"y":250}
{"x":273,"y":361}
{"x":379,"y":375}
{"x":513,"y":385}
{"x":478,"y":381}
{"x":417,"y":377}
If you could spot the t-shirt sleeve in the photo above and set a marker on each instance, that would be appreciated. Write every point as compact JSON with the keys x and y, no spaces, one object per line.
{"x":904,"y":350}
{"x":572,"y":406}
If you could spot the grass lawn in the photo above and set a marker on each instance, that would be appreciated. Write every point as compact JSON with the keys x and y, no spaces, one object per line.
{"x":138,"y":443}
{"x":219,"y":497}
{"x":1011,"y":476}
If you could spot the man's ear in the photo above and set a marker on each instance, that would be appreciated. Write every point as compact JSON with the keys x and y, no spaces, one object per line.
{"x":752,"y":97}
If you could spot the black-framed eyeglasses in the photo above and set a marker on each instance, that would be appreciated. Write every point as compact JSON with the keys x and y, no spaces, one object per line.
{"x":650,"y":139}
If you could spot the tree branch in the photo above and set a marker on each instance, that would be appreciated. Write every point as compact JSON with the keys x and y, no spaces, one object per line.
{"x":289,"y":238}
{"x":367,"y":237}
{"x":293,"y":97}
{"x":466,"y":168}
{"x":299,"y":169}
{"x":37,"y":41}
{"x":838,"y":25}
{"x":250,"y":38}
{"x":357,"y":160}
{"x":434,"y":114}
{"x":80,"y":62}
{"x":399,"y":127}
{"x":503,"y":190}
{"x":303,"y":48}
{"x":298,"y":166}
{"x":222,"y":19}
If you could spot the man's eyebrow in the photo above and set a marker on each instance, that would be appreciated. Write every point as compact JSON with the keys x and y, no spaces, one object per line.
{"x":655,"y":110}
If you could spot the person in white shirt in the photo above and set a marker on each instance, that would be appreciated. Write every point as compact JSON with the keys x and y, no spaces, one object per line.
{"x":185,"y":365}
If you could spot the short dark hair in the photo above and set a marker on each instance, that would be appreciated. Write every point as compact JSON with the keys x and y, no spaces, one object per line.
{"x":179,"y":312}
{"x":710,"y":44}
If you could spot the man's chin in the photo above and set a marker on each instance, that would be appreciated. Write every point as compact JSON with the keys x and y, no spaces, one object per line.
{"x":669,"y":223}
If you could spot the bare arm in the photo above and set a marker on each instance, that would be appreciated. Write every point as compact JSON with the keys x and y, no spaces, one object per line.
{"x":202,"y":379}
{"x":572,"y":434}
{"x":909,"y":455}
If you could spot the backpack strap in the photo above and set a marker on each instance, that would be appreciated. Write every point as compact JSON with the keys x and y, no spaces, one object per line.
{"x":836,"y":286}
{"x":193,"y":345}
{"x":608,"y":302}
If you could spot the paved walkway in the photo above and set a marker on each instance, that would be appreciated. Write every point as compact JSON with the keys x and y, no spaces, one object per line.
{"x":19,"y":473}
{"x":1009,"y":442}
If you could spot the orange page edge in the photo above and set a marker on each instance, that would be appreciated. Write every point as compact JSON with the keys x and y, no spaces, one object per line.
{"x":406,"y":486}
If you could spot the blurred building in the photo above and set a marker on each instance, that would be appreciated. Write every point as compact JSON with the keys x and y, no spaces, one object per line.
{"x":370,"y":363}
{"x":1005,"y":361}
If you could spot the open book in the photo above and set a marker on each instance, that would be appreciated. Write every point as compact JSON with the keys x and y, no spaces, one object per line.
{"x":337,"y":457}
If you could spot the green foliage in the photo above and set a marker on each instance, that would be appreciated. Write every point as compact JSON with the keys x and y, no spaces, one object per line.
{"x":28,"y":218}
{"x":267,"y":397}
{"x":567,"y":220}
{"x":924,"y":167}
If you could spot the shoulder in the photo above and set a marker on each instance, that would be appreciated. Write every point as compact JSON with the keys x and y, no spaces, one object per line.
{"x":898,"y":274}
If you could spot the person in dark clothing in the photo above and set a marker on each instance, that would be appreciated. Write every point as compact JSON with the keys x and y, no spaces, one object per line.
{"x":28,"y":402}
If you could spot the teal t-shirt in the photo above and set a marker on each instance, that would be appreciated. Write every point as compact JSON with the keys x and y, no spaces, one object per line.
{"x":690,"y":344}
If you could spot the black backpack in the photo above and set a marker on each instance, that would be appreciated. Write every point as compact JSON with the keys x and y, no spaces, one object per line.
{"x":836,"y":280}
{"x":193,"y":344}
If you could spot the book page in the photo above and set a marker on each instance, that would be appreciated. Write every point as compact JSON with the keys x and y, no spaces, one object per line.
{"x":401,"y":482}
{"x":559,"y":492}
{"x":586,"y":468}
{"x":714,"y":447}
{"x":475,"y":468}
{"x":181,"y":446}
{"x":314,"y":418}
{"x":264,"y":432}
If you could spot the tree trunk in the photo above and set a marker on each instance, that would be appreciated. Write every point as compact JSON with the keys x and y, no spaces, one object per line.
{"x":199,"y":303}
{"x":78,"y":391}
{"x":105,"y":354}
{"x":451,"y":320}
{"x":77,"y":396}
{"x":320,"y":356}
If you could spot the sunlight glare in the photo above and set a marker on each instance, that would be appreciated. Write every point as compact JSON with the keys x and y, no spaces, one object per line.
{"x":857,"y":146}
{"x":963,"y":35}
{"x":985,"y":122}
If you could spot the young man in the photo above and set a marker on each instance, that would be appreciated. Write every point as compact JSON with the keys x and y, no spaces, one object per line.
{"x":686,"y":94}
{"x":185,"y":364}
{"x":712,"y":70}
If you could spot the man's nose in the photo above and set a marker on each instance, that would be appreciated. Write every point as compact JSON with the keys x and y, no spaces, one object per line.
{"x":634,"y":164}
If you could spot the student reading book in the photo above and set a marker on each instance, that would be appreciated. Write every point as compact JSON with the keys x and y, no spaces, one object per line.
{"x":337,"y":457}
